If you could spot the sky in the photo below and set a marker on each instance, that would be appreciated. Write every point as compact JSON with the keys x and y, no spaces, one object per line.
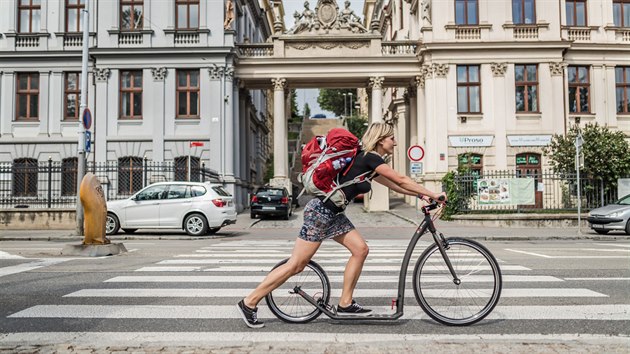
{"x":310,"y":95}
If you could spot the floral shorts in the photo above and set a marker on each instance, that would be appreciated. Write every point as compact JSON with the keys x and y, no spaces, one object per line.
{"x":321,"y":223}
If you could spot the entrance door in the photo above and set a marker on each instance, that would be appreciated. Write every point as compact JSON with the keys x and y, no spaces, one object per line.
{"x":528,"y":165}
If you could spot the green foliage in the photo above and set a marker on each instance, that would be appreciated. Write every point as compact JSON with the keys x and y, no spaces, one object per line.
{"x":268,"y":170}
{"x":605,"y":153}
{"x":357,"y":125}
{"x":307,"y":110}
{"x":457,"y":197}
{"x":294,"y":105}
{"x":333,"y":100}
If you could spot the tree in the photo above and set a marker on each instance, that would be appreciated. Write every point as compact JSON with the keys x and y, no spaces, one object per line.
{"x":294,"y":106}
{"x":357,"y":125}
{"x":333,"y":100}
{"x":307,"y":110}
{"x":605,"y":153}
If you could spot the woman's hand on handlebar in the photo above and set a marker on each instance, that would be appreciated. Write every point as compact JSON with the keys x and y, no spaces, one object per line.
{"x":439,"y":198}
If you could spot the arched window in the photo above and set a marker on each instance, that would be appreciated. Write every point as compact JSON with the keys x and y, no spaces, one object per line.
{"x":69,"y":176}
{"x":129,"y":174}
{"x":472,"y":162}
{"x":181,"y":168}
{"x":24,"y":173}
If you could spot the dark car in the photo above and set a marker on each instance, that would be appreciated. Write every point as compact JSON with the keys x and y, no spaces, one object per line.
{"x":271,"y":201}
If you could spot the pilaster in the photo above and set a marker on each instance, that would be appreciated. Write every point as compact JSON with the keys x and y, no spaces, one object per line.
{"x":159,"y":114}
{"x":101,"y":113}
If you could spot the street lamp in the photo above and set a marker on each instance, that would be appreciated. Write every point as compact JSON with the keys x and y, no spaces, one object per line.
{"x":345,"y":105}
{"x":350,"y":93}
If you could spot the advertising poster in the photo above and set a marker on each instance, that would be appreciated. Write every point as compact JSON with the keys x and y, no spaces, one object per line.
{"x":506,"y":191}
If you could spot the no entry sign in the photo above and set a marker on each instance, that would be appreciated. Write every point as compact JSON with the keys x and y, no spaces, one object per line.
{"x":415,"y":153}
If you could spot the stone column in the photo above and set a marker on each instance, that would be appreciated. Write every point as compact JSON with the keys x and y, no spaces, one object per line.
{"x":280,"y":177}
{"x":236,"y":105}
{"x":420,"y":111}
{"x":101,"y":113}
{"x":159,"y":114}
{"x":56,"y":104}
{"x":557,"y":84}
{"x":412,"y":115}
{"x":378,"y":199}
{"x":228,"y":123}
{"x":499,"y":114}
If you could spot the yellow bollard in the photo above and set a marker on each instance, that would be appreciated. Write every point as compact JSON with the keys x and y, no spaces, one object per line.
{"x":94,"y":209}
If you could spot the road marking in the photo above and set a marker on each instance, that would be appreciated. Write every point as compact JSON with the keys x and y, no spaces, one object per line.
{"x":528,"y":253}
{"x":5,"y":255}
{"x":359,"y":293}
{"x":596,"y":279}
{"x":619,"y":312}
{"x":614,"y":244}
{"x":320,"y":261}
{"x":333,"y":279}
{"x":566,"y":257}
{"x":25,"y":267}
{"x":602,"y":250}
{"x":237,"y":339}
{"x":366,"y":268}
{"x":169,"y":269}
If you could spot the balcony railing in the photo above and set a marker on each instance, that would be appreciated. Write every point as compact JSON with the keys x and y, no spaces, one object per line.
{"x":27,"y":41}
{"x":468,"y":33}
{"x":73,"y":40}
{"x":525,"y":32}
{"x":255,"y":50}
{"x":129,"y":38}
{"x":579,"y":34}
{"x":399,"y":48}
{"x":186,"y":38}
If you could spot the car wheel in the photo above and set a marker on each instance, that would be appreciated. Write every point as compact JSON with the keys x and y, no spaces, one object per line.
{"x":112,"y":225}
{"x":628,"y":227}
{"x":130,"y":231}
{"x":196,"y":225}
{"x":601,"y":232}
{"x":252,"y":215}
{"x":213,"y":230}
{"x":286,"y":217}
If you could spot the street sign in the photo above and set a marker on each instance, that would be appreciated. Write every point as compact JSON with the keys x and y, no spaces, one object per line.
{"x":87,"y":118}
{"x":196,"y":143}
{"x":416,"y":168}
{"x":88,"y":141}
{"x":415,"y":153}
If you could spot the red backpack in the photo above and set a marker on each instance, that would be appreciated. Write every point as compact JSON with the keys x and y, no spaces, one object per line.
{"x":324,"y":159}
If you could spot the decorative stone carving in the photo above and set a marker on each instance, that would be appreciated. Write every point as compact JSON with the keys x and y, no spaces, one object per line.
{"x":159,"y":74}
{"x":229,"y":15}
{"x":498,"y":69}
{"x":419,"y":80}
{"x":279,"y":83}
{"x":426,"y":11}
{"x":229,"y":73}
{"x":557,"y":68}
{"x":326,"y":18}
{"x":101,"y":74}
{"x":216,"y":72}
{"x":327,"y":45}
{"x":376,"y":82}
{"x":440,"y":70}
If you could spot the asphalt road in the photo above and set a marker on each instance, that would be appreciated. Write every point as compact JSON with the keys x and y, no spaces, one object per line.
{"x":558,"y":295}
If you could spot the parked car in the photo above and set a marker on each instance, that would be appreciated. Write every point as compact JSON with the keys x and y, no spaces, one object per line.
{"x":271,"y":201}
{"x":318,"y":115}
{"x":197,"y":208}
{"x":611,"y":217}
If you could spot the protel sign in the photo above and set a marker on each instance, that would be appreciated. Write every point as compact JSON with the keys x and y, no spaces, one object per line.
{"x":469,"y":141}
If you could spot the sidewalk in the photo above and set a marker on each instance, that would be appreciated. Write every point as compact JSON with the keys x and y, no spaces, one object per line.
{"x":400,"y":215}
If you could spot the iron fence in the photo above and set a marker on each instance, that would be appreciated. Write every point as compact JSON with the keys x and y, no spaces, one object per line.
{"x":27,"y":183}
{"x":553,"y":192}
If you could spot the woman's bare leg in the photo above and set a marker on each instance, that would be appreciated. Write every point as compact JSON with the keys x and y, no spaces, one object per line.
{"x":359,"y":250}
{"x":302,"y":253}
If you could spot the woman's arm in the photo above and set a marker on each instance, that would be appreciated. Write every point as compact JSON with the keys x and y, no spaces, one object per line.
{"x":391,"y":185}
{"x":406,"y":184}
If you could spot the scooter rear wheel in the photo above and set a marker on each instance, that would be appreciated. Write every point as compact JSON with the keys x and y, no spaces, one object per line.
{"x":289,"y":306}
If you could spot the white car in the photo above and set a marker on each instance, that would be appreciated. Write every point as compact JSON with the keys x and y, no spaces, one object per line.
{"x":197,"y":208}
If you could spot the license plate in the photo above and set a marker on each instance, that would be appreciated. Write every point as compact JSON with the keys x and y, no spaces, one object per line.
{"x":269,"y":208}
{"x":598,"y":226}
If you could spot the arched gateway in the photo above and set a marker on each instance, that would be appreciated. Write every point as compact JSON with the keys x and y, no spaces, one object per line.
{"x":330,"y":48}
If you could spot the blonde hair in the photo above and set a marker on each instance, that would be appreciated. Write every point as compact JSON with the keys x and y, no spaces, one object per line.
{"x":375,"y":133}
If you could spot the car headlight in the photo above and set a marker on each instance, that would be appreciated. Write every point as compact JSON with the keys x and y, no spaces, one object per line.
{"x":613,"y":215}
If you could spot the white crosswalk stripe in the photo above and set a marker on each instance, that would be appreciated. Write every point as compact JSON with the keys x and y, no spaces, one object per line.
{"x":222,"y":274}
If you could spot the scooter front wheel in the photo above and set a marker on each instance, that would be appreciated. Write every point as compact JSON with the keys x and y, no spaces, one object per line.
{"x":290,"y":306}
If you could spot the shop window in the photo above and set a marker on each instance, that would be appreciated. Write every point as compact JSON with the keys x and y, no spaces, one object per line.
{"x":471,"y":162}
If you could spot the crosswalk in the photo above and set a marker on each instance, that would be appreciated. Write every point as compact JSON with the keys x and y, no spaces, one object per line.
{"x":207,"y":283}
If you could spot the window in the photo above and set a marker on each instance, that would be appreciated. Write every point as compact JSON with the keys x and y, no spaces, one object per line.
{"x":69,"y":176}
{"x":187,"y":93}
{"x":27,"y":96}
{"x":526,"y":77}
{"x":187,"y":14}
{"x":73,"y":15}
{"x":466,"y":12}
{"x":621,"y":13}
{"x":129,"y":174}
{"x":131,"y":15}
{"x":579,"y":89}
{"x":472,"y":162}
{"x":468,"y":89}
{"x":153,"y":193}
{"x":523,"y":12}
{"x":622,"y":81}
{"x":178,"y":191}
{"x":24,"y":172}
{"x":131,"y":94}
{"x":576,"y":12}
{"x":181,"y":168}
{"x":29,"y":15}
{"x":72,"y":92}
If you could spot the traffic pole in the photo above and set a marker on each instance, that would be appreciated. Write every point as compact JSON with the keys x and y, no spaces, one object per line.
{"x":83,"y":106}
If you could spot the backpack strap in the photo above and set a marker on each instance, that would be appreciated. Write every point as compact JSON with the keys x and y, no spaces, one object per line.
{"x":355,"y":180}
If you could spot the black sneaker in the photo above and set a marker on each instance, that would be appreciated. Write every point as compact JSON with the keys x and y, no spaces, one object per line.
{"x":250,"y":316}
{"x":353,"y":309}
